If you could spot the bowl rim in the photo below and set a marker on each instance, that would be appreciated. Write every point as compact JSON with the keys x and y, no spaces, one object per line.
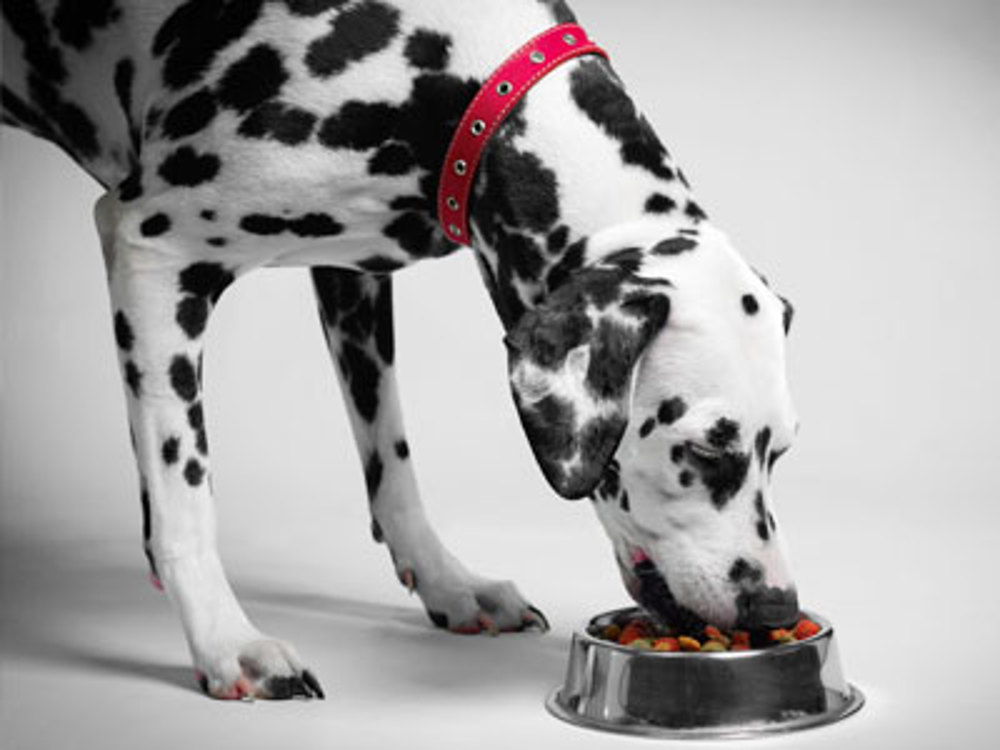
{"x":826,"y":631}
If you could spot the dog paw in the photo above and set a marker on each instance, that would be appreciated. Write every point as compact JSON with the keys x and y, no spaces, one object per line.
{"x":468,"y":605}
{"x":262,"y":668}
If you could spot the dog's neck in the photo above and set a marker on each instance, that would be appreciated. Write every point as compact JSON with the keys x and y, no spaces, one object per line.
{"x":574,"y":174}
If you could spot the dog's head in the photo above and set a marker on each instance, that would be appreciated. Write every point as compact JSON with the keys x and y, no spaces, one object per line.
{"x":654,"y":383}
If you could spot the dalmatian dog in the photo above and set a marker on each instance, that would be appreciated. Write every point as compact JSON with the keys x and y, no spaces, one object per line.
{"x":646,"y":358}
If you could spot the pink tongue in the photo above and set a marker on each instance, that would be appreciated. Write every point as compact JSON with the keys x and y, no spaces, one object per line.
{"x":638,"y":556}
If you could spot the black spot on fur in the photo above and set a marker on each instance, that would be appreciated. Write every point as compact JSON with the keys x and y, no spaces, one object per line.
{"x":775,"y":455}
{"x":186,"y":167}
{"x":571,"y":261}
{"x":402,"y":450}
{"x":557,"y":239}
{"x":677,"y":453}
{"x":623,"y":503}
{"x":788,"y":312}
{"x":155,"y":225}
{"x":385,"y":342}
{"x":750,"y":304}
{"x":28,"y":22}
{"x":630,"y":259}
{"x":313,"y":7}
{"x":194,"y":473}
{"x":762,"y":528}
{"x":280,"y":122}
{"x":761,"y":444}
{"x":205,"y":280}
{"x":392,"y":159}
{"x":253,"y":79}
{"x":428,"y":49}
{"x":598,"y":93}
{"x":658,"y":203}
{"x":196,"y":416}
{"x":674,"y":246}
{"x":693,"y":211}
{"x":77,"y":21}
{"x":363,"y":375}
{"x":183,"y":378}
{"x":686,"y":478}
{"x":124,"y":78}
{"x":133,"y":377}
{"x":373,"y":474}
{"x":77,"y":132}
{"x":647,"y":427}
{"x":377,"y":534}
{"x":743,"y":570}
{"x":170,"y":450}
{"x":207,"y":214}
{"x":380,"y":264}
{"x":412,"y":232}
{"x":723,"y":433}
{"x":217,"y":241}
{"x":307,"y":225}
{"x":123,"y":332}
{"x":196,"y":32}
{"x":131,"y":187}
{"x":190,"y":115}
{"x":359,"y":31}
{"x":671,"y":410}
{"x":359,"y":125}
{"x":723,"y":475}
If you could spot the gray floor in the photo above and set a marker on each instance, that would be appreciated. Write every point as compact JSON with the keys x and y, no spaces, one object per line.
{"x":850,"y":149}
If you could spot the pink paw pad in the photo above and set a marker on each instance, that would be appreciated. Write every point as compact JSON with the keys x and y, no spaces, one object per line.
{"x":157,"y":583}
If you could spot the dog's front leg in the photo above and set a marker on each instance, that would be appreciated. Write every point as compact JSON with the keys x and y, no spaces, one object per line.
{"x":356,"y":311}
{"x":161,"y":301}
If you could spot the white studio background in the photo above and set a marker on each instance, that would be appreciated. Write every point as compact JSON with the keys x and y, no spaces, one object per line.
{"x":851,"y":151}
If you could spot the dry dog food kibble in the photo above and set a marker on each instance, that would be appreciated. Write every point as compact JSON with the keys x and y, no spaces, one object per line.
{"x":642,"y":632}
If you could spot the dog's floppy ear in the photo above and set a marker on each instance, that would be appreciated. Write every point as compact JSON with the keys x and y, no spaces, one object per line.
{"x":571,"y":363}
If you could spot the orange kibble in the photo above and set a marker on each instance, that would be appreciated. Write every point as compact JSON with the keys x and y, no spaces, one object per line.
{"x":688,"y":644}
{"x":741,"y":638}
{"x":666,"y":644}
{"x":805,"y":629}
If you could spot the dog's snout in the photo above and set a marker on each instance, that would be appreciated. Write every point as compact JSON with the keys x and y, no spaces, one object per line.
{"x":769,"y":608}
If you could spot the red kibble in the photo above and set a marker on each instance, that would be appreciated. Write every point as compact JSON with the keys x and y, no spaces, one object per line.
{"x":805,"y":629}
{"x":741,"y":638}
{"x":631,"y":632}
{"x":666,"y":644}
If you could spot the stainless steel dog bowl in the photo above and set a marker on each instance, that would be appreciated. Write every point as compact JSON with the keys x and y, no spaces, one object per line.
{"x":703,"y":694}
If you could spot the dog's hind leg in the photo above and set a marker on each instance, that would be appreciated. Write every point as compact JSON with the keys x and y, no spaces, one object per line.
{"x":356,"y":312}
{"x":161,"y":301}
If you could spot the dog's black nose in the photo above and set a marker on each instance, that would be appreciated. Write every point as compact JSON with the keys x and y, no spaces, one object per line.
{"x":769,"y":608}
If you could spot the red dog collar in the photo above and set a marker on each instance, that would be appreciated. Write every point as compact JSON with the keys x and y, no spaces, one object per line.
{"x":504,"y":88}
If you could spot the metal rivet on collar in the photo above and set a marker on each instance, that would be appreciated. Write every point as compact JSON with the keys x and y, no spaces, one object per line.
{"x":569,"y":38}
{"x":504,"y":88}
{"x":460,"y":166}
{"x":454,"y":230}
{"x":478,"y":126}
{"x":452,"y":203}
{"x":537,"y":56}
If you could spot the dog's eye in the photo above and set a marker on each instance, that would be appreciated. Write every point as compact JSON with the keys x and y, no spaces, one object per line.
{"x":704,"y":452}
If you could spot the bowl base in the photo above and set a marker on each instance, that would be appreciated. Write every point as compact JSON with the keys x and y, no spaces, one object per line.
{"x":839,"y":707}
